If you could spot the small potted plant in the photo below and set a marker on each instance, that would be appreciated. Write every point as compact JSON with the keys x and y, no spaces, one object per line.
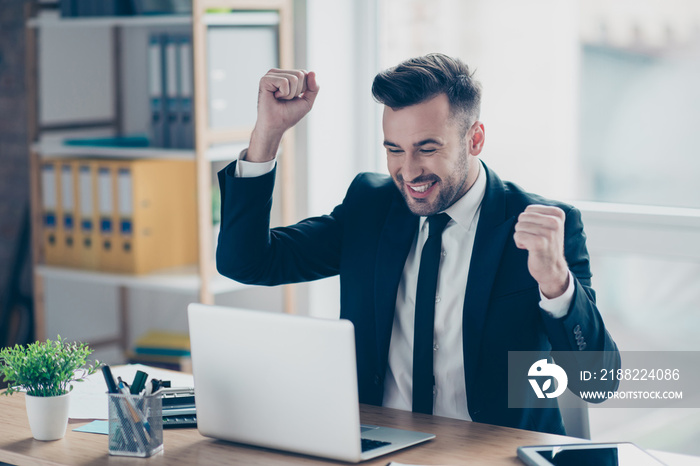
{"x":46,"y":371}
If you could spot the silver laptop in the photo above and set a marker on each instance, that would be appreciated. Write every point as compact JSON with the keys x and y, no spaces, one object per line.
{"x":284,"y":382}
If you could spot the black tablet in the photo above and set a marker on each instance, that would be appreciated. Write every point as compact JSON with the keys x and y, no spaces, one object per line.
{"x":585,"y":454}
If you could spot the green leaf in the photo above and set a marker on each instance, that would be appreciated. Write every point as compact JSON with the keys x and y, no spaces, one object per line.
{"x":45,"y":369}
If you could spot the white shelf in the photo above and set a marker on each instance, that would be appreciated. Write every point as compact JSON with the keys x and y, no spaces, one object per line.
{"x":179,"y":279}
{"x":56,"y":149}
{"x":253,"y":18}
{"x":49,"y":149}
{"x":53,"y":20}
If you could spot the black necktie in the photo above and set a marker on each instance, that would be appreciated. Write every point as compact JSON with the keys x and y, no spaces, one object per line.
{"x":423,"y":379}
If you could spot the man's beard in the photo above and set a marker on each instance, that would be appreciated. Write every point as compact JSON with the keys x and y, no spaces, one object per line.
{"x":448,"y":191}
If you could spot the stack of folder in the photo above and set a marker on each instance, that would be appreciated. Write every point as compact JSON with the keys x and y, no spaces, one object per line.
{"x":168,"y":350}
{"x":119,"y":215}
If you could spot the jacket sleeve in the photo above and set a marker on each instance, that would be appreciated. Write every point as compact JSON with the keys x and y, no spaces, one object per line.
{"x":580,"y":336}
{"x":250,"y":252}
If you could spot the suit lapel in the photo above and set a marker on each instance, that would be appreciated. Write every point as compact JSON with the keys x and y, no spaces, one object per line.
{"x":493,"y":230}
{"x":395,"y":242}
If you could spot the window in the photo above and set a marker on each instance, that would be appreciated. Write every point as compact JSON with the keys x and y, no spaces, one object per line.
{"x":594,"y":101}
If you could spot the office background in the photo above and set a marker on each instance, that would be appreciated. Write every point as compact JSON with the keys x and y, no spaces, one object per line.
{"x":594,"y":102}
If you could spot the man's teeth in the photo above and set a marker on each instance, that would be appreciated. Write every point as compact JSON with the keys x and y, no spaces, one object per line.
{"x":422,"y":188}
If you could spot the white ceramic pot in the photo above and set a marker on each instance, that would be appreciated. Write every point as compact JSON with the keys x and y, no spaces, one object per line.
{"x":48,"y":416}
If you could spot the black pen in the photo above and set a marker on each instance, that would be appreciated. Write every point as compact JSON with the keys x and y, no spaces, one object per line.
{"x":112,"y":388}
{"x":111,"y":384}
{"x":139,"y":382}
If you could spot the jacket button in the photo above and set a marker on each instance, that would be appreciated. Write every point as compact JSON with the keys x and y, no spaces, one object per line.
{"x":377,"y":380}
{"x":577,"y":329}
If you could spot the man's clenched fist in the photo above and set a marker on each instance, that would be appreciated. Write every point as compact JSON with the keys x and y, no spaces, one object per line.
{"x":540,"y":230}
{"x":284,"y":98}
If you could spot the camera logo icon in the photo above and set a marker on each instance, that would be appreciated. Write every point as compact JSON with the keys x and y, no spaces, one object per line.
{"x":542,"y":368}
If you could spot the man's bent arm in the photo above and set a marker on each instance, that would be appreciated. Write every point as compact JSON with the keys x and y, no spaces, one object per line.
{"x":249,"y":251}
{"x":581,"y":331}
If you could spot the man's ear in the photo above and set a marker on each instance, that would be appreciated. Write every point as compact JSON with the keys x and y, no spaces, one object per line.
{"x":476,"y":138}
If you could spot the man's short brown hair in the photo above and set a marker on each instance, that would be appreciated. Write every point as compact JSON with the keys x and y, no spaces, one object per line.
{"x":422,"y":78}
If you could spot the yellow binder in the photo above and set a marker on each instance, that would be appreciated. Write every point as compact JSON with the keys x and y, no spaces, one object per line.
{"x":86,"y":218}
{"x":156,"y":214}
{"x":66,"y":210}
{"x":108,"y":255}
{"x":49,"y":195}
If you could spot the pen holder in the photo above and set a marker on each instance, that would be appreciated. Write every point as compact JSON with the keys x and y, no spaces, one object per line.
{"x":135,"y":424}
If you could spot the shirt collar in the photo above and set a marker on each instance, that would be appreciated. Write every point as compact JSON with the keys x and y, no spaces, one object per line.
{"x":463,"y":211}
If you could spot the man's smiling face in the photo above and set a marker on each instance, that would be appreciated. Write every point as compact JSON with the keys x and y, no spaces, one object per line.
{"x":428,"y":156}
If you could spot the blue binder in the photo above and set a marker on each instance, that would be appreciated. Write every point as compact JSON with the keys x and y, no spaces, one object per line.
{"x":185,"y":93}
{"x":171,"y":90}
{"x":156,"y":87}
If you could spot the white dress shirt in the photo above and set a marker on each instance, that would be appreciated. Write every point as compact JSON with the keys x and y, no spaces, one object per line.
{"x":450,"y":395}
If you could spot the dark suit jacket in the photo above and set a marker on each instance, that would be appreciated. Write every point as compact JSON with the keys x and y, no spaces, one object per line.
{"x":366,"y":240}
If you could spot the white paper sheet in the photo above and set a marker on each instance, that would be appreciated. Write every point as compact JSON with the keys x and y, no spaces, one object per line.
{"x":89,"y":398}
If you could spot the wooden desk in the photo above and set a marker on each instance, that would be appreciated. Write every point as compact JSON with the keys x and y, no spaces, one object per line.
{"x":457,"y":442}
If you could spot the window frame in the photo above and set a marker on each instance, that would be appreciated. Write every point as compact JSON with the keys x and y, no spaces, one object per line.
{"x":668,"y":232}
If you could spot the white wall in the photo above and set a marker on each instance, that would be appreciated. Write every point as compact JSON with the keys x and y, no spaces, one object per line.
{"x":342,"y":138}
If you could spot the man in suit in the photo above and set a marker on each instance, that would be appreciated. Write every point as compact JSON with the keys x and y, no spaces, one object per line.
{"x":510,"y":269}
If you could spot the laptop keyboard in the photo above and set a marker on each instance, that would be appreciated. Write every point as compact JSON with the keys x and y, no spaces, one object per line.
{"x":368,"y":444}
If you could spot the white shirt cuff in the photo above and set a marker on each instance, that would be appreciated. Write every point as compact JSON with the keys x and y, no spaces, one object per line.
{"x":245,"y":169}
{"x":559,"y":306}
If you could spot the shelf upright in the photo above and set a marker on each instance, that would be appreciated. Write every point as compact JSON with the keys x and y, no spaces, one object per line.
{"x":206,"y":136}
{"x":201,"y":144}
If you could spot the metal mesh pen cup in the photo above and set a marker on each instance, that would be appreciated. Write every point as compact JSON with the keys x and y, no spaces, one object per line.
{"x":135,"y":424}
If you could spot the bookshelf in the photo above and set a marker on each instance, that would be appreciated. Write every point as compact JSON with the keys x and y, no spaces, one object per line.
{"x":211,"y":146}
